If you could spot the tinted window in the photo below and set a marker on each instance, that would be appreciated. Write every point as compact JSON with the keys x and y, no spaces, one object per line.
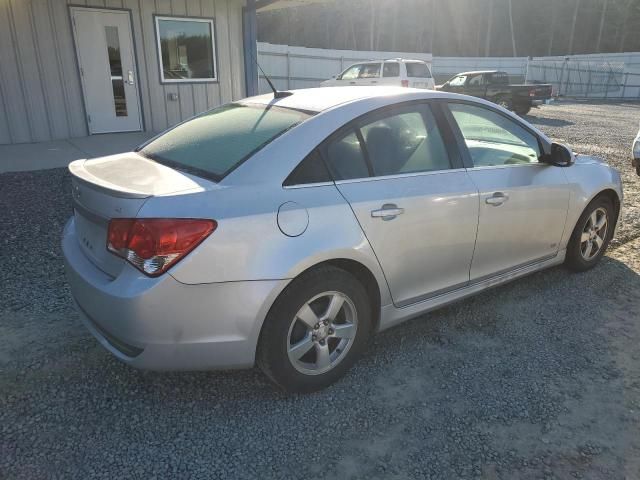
{"x":370,"y":70}
{"x":345,"y":158}
{"x":493,"y":139}
{"x":350,"y":73}
{"x":476,"y":81}
{"x":418,"y":70}
{"x":404,"y":142}
{"x":186,"y":48}
{"x":391,"y":69}
{"x":310,"y":170}
{"x":215,"y":142}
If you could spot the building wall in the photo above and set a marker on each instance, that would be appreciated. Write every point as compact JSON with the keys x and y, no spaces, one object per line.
{"x":40,"y":91}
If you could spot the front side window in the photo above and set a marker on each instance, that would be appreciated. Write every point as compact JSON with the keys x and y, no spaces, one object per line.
{"x":214,"y":143}
{"x":418,"y":70}
{"x":493,"y":139}
{"x":391,"y":69}
{"x":405,"y":141}
{"x":187,"y":50}
{"x":350,"y":73}
{"x":370,"y":70}
{"x":458,"y":81}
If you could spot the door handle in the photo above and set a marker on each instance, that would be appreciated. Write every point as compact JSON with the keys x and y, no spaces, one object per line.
{"x":130,"y":77}
{"x":497,"y":199}
{"x":352,"y":83}
{"x":389,"y":211}
{"x":374,"y":81}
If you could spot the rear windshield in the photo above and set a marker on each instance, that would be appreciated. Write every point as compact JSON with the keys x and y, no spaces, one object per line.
{"x":216,"y":142}
{"x":418,"y":70}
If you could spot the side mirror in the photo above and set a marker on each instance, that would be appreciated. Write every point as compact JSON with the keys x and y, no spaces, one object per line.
{"x":561,"y":155}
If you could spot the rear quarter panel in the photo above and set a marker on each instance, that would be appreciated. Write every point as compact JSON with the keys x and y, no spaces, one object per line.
{"x":249,"y":244}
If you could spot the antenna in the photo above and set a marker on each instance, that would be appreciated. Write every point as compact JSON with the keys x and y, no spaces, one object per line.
{"x":276,"y":93}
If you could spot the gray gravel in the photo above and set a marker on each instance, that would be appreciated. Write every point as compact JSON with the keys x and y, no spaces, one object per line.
{"x":536,"y":379}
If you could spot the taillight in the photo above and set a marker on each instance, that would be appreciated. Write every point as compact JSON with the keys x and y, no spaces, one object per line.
{"x":153,"y":245}
{"x":532,"y":93}
{"x":404,"y":83}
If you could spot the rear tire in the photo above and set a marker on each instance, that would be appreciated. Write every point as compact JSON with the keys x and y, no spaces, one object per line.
{"x":591,"y":235}
{"x":315,"y":330}
{"x":505,"y":102}
{"x":522,"y":110}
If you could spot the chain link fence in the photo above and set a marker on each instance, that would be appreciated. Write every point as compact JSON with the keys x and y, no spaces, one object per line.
{"x":585,"y":79}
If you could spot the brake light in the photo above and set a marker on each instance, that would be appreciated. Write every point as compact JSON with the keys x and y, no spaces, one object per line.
{"x":153,"y":245}
{"x":404,"y":83}
{"x":532,"y":93}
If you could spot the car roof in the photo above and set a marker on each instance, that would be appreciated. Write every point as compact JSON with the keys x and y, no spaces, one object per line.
{"x":320,"y":99}
{"x":477,"y":72}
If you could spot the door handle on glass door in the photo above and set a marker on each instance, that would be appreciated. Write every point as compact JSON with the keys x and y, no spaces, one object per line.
{"x":389,"y":211}
{"x":497,"y":199}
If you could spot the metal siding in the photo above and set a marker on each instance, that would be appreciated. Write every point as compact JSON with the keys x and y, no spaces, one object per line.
{"x":40,"y":89}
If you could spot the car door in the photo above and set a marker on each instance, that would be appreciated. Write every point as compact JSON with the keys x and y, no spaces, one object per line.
{"x":414,"y":202}
{"x":456,"y":84}
{"x":349,"y":76}
{"x":523,"y":202}
{"x":476,"y":85}
{"x":391,"y":73}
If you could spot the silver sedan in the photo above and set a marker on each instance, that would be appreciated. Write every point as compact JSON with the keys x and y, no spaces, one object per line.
{"x":285,"y":232}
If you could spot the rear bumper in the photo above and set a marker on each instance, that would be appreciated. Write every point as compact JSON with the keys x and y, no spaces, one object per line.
{"x":162,"y":324}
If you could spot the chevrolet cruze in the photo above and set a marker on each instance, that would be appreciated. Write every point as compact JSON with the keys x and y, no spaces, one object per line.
{"x":285,"y":231}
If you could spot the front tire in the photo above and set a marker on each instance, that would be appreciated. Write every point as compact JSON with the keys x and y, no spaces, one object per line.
{"x":591,"y":235}
{"x":315,"y":330}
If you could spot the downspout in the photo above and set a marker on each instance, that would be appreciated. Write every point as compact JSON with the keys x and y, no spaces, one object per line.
{"x":250,"y":40}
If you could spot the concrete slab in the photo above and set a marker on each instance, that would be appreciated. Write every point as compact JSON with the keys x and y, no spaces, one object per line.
{"x":59,"y":153}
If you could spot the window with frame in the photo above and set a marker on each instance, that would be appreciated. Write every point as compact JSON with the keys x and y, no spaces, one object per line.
{"x":458,"y":81}
{"x":350,"y":73}
{"x":402,"y":140}
{"x":186,"y":49}
{"x":391,"y":69}
{"x":418,"y":70}
{"x":493,"y":139}
{"x":370,"y":70}
{"x":476,"y":81}
{"x":407,"y":140}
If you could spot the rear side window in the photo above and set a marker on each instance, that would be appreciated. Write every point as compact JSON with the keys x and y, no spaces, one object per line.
{"x":405,"y":141}
{"x":370,"y":70}
{"x":418,"y":70}
{"x":345,"y":157}
{"x":500,"y":78}
{"x":310,"y":170}
{"x":214,"y":143}
{"x":391,"y":69}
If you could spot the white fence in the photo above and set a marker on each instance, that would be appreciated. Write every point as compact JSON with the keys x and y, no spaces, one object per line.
{"x":300,"y":67}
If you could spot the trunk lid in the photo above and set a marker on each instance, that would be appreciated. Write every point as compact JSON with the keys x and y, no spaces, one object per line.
{"x":118,"y":186}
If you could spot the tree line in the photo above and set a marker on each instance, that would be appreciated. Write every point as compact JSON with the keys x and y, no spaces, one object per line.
{"x":460,"y":27}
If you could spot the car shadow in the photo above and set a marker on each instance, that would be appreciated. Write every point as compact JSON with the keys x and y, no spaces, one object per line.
{"x":548,"y":122}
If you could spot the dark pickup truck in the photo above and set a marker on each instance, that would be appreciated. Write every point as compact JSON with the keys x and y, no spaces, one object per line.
{"x":494,"y":86}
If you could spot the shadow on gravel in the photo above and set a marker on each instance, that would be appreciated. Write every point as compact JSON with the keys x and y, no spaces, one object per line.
{"x":532,"y":378}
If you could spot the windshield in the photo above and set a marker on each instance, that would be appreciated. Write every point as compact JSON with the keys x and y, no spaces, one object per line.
{"x":216,"y":142}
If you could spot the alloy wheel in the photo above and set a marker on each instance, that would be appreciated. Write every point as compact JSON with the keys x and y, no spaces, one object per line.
{"x":321,"y":333}
{"x":593,"y":234}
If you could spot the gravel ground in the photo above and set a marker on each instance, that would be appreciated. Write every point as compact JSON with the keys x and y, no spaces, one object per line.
{"x":539,"y":378}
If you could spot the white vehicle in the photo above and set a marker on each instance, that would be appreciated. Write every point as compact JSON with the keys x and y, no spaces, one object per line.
{"x":399,"y":72}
